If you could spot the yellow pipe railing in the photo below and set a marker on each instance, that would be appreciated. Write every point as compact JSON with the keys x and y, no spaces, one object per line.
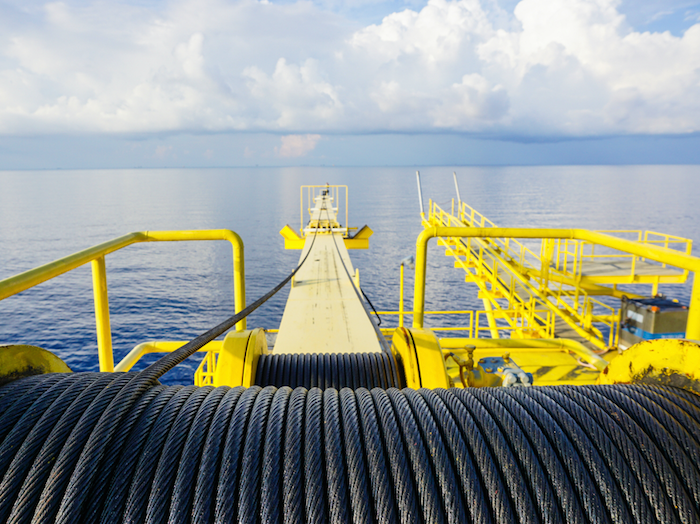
{"x":160,"y":346}
{"x":658,"y":254}
{"x":95,"y":255}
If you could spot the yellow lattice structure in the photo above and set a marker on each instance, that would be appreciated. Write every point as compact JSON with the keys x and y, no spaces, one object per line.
{"x":531,"y":293}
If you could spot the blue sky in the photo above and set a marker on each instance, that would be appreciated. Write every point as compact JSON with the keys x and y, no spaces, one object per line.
{"x":348,"y":82}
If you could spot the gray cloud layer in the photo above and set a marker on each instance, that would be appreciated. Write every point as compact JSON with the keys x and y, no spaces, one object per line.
{"x":551,"y":68}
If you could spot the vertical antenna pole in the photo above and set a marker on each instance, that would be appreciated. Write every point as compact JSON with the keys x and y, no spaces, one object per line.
{"x":420,"y":195}
{"x":459,"y":198}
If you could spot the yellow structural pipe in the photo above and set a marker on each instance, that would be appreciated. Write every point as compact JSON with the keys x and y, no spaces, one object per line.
{"x":18,"y":283}
{"x":214,"y":234}
{"x":160,"y":346}
{"x":493,"y":327}
{"x":23,"y":281}
{"x":104,"y":333}
{"x":401,"y":297}
{"x":527,"y":346}
{"x":658,"y":254}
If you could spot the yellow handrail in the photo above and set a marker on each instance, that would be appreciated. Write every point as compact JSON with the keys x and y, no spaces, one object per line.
{"x":23,"y":281}
{"x":658,"y":254}
{"x":160,"y":346}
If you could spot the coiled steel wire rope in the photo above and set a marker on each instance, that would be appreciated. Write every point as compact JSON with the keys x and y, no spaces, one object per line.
{"x":278,"y":455}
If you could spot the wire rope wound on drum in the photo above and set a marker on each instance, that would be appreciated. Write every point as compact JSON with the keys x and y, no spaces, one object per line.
{"x":328,"y":370}
{"x":186,"y":454}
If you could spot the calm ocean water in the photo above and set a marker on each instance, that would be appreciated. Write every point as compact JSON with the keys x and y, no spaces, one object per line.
{"x":175,"y":291}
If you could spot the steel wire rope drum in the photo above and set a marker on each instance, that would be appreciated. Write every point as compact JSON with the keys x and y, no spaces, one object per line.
{"x":614,"y":453}
{"x":328,"y":370}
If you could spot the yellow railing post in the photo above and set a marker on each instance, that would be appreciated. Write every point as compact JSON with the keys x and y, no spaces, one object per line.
{"x":692,"y":330}
{"x":401,"y":299}
{"x":493,"y":327}
{"x":419,"y":285}
{"x":239,"y":282}
{"x":104,"y":332}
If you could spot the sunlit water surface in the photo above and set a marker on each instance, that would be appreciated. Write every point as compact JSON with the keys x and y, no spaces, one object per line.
{"x":175,"y":291}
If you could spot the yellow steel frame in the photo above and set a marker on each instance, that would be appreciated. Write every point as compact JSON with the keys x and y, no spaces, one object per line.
{"x":558,"y":253}
{"x":574,"y":252}
{"x":315,"y":190}
{"x":492,"y":268}
{"x":505,"y":267}
{"x":95,"y":255}
{"x":651,"y":252}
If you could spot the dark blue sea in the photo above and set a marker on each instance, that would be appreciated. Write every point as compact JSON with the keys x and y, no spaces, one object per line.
{"x":175,"y":291}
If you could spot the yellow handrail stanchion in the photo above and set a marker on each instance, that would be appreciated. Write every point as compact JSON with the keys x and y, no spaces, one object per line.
{"x":104,"y":332}
{"x":401,"y":298}
{"x":493,"y":327}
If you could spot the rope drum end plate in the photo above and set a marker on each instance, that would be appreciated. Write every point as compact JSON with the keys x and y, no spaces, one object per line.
{"x":663,"y":362}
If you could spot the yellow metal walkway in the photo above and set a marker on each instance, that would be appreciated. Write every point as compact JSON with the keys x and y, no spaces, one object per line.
{"x":323,"y":312}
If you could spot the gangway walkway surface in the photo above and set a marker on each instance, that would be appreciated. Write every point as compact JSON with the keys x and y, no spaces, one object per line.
{"x":323,"y":310}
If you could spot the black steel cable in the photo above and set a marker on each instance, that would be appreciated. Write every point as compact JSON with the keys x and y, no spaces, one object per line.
{"x":426,"y":485}
{"x":170,"y":458}
{"x":336,"y":473}
{"x":328,"y":370}
{"x":251,"y":462}
{"x":188,"y":454}
{"x":183,"y":490}
{"x":518,"y":491}
{"x":26,"y":455}
{"x":128,"y":461}
{"x":293,"y":480}
{"x":113,"y":453}
{"x":536,"y":434}
{"x":271,"y":507}
{"x":501,"y":504}
{"x":314,"y":473}
{"x":661,"y":485}
{"x":407,"y":499}
{"x":682,"y":412}
{"x":227,"y":487}
{"x":670,"y":448}
{"x":383,"y":489}
{"x":136,"y":504}
{"x":15,"y":389}
{"x":355,"y":455}
{"x":435,"y":448}
{"x":579,"y":477}
{"x":20,"y":404}
{"x":463,"y":466}
{"x":209,"y":466}
{"x":18,"y":432}
{"x":42,"y":467}
{"x":538,"y":487}
{"x":599,"y":456}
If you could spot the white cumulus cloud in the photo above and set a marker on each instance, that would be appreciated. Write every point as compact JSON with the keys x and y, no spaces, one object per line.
{"x":547,"y":68}
{"x":294,"y":146}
